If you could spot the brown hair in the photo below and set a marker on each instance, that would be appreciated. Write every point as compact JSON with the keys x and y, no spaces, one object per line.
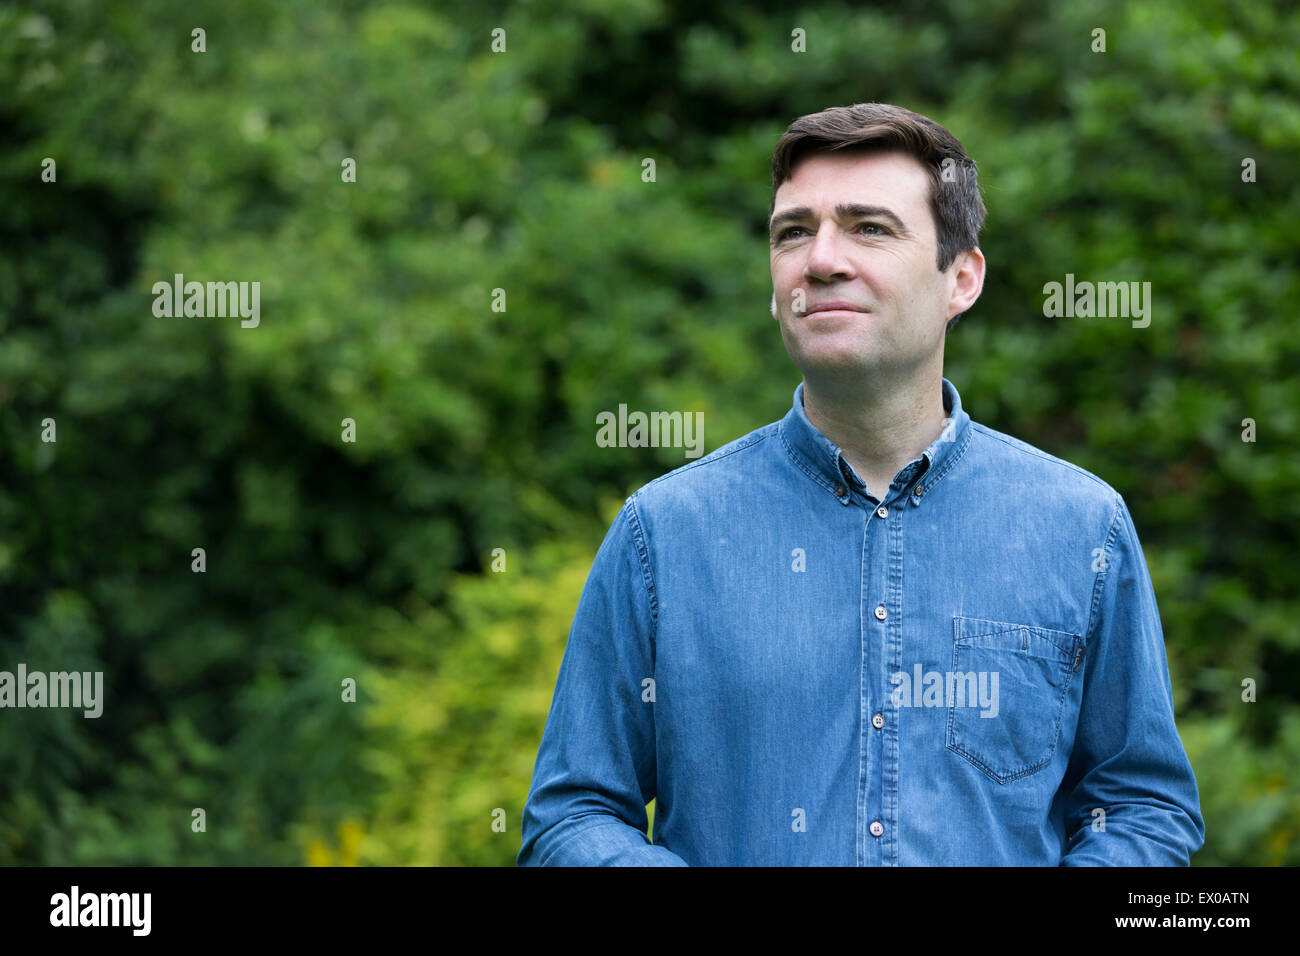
{"x":955,"y":200}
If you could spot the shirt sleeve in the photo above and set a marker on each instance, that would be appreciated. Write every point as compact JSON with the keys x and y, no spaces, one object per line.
{"x":595,"y":769}
{"x":1128,"y":759}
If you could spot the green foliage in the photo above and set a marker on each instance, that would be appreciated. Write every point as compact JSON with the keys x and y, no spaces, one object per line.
{"x":522,"y":171}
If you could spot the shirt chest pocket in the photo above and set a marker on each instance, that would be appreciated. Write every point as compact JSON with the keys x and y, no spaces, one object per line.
{"x":1023,"y":673}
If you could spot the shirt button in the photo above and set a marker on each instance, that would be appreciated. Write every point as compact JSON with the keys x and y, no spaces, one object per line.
{"x":876,"y":828}
{"x":920,"y":490}
{"x":839,"y":491}
{"x":877,"y":721}
{"x":881,"y":613}
{"x":882,"y":512}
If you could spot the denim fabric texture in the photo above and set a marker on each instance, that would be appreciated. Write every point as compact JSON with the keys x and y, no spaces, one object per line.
{"x":969,"y":672}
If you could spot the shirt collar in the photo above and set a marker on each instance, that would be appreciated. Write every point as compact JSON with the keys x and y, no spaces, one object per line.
{"x":821,"y":459}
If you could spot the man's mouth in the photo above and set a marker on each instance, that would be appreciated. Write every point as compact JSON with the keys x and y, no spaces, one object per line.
{"x":834,"y":308}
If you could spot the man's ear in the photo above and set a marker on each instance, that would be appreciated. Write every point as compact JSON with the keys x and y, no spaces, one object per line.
{"x":970,"y":281}
{"x":774,"y":304}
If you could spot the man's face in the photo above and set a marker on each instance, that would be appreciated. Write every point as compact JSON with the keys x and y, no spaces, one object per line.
{"x":878,"y":254}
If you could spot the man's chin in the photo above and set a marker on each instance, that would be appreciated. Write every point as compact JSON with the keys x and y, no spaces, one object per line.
{"x":832,"y":356}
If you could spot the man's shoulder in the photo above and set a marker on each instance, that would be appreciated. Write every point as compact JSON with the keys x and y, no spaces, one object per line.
{"x":694,"y":480}
{"x":1012,"y":456}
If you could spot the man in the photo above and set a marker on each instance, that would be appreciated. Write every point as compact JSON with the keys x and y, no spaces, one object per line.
{"x":874,"y":632}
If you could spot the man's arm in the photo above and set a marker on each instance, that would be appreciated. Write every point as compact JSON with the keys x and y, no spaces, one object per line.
{"x":1128,"y":759}
{"x":595,"y":768}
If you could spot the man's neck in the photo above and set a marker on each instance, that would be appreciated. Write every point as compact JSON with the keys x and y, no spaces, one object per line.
{"x":879,"y":426}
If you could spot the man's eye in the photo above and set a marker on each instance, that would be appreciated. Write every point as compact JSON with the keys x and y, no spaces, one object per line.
{"x":879,"y":230}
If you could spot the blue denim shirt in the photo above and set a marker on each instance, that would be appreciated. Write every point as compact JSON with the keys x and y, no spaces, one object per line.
{"x":970,"y":672}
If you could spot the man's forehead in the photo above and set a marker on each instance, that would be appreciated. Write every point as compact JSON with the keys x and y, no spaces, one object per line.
{"x":827,"y":179}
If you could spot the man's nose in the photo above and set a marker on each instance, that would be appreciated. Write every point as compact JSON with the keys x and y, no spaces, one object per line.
{"x":827,"y":257}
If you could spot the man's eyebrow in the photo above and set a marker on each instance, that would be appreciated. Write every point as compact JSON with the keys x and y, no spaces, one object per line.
{"x":850,"y":210}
